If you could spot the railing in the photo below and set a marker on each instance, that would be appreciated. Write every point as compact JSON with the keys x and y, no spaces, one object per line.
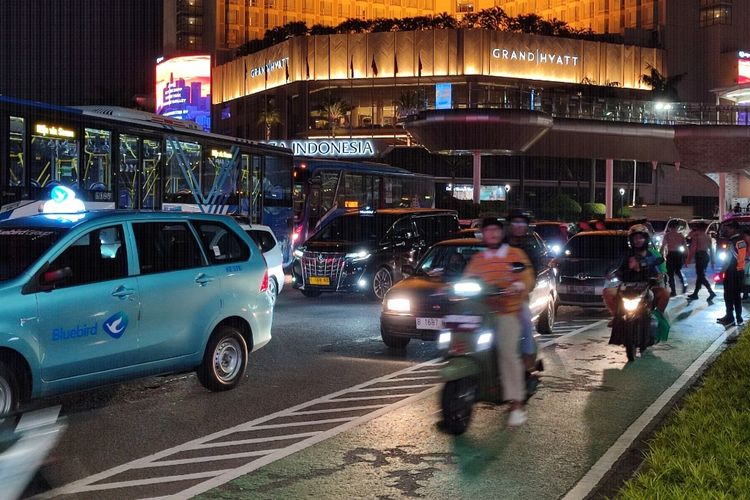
{"x":613,"y":109}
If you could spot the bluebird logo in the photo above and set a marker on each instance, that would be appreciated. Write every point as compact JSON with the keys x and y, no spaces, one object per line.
{"x":116,"y":325}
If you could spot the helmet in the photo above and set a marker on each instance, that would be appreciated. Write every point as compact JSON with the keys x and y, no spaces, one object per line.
{"x":519,"y":214}
{"x":491,"y":221}
{"x":639,"y":229}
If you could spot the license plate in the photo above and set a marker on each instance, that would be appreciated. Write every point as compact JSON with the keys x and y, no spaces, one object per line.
{"x":319,"y":280}
{"x":583,"y":290}
{"x":429,"y":323}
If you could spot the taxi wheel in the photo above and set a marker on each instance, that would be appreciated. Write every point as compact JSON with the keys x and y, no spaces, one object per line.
{"x":546,"y":320}
{"x":224,"y":361}
{"x":10,"y":390}
{"x":273,"y":290}
{"x":382,"y":281}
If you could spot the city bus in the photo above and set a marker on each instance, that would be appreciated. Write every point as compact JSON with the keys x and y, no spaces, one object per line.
{"x":118,"y":158}
{"x":323,"y":189}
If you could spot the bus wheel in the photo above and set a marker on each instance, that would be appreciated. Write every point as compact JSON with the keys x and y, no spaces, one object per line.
{"x":382,"y":281}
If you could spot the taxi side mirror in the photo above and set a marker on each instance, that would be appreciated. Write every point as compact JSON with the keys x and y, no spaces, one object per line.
{"x":407,"y":269}
{"x":51,"y":278}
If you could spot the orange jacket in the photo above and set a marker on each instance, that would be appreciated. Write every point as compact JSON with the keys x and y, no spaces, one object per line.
{"x":494,"y":267}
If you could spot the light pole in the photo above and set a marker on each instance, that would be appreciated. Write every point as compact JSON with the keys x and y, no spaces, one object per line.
{"x":622,"y":202}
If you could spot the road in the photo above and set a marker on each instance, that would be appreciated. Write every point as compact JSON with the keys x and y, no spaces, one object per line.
{"x":328,"y":410}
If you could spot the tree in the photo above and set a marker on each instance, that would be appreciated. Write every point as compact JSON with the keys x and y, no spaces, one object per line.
{"x":443,"y":21}
{"x":333,"y":112}
{"x":354,"y":25}
{"x":662,"y":86}
{"x":407,"y":103}
{"x":268,"y":118}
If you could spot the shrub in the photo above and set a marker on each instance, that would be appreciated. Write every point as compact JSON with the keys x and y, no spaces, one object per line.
{"x":561,"y":207}
{"x":624,"y":212}
{"x":594,"y":210}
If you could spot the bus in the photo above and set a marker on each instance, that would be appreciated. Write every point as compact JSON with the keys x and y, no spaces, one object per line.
{"x":323,"y":189}
{"x":118,"y":158}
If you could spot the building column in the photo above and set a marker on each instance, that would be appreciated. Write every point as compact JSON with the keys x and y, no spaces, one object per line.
{"x":477,"y":179}
{"x":592,"y":182}
{"x":608,"y":185}
{"x":722,"y":194}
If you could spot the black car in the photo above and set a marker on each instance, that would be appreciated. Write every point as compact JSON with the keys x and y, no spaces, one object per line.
{"x":363,"y":252}
{"x":414,"y":308}
{"x":585,"y":264}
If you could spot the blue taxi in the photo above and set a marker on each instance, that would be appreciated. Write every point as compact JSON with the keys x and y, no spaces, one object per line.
{"x":93,"y":298}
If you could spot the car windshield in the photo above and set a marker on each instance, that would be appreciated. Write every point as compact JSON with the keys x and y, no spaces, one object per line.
{"x":744,"y":224}
{"x":659,"y":225}
{"x":596,"y":247}
{"x":21,"y":246}
{"x":447,"y":261}
{"x":355,"y":229}
{"x":549,"y":232}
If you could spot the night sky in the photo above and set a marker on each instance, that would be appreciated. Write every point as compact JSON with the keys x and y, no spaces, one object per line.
{"x":79,"y":51}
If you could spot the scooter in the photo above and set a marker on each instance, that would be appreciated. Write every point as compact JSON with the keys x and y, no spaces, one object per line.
{"x":634,"y":325}
{"x":472,"y":374}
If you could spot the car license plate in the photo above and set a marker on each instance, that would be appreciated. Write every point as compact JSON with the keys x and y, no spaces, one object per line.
{"x":429,"y":323}
{"x":319,"y":280}
{"x":583,"y":290}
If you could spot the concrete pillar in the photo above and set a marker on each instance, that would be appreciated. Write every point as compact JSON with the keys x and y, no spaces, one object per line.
{"x":592,"y":182}
{"x":722,"y":195}
{"x":477,"y":175}
{"x":609,"y":175}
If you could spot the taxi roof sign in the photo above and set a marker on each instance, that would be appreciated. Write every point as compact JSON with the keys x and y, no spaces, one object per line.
{"x":63,"y":201}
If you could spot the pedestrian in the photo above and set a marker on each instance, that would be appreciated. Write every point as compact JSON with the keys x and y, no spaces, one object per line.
{"x":737,"y":209}
{"x":675,"y":244}
{"x":700,"y":243}
{"x":734,"y":275}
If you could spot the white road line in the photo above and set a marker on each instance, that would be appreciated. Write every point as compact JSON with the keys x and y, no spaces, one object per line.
{"x":153,"y":480}
{"x":589,"y":481}
{"x":574,"y":332}
{"x":301,"y":424}
{"x":334,"y":410}
{"x":212,"y":458}
{"x":414,"y":386}
{"x":366,"y":398}
{"x":254,"y":440}
{"x":429,"y":377}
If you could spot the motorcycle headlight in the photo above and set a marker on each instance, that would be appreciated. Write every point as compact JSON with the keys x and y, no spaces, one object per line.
{"x":467,"y":288}
{"x":298,"y":253}
{"x":398,"y":305}
{"x":682,"y":248}
{"x":444,"y":340}
{"x":484,"y":341}
{"x":361,"y":255}
{"x":631,"y":305}
{"x":722,"y":256}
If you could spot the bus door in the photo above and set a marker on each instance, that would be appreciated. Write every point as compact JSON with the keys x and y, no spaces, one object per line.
{"x":139,"y":173}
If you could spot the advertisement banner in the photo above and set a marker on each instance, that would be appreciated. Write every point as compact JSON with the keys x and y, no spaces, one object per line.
{"x":183,"y":89}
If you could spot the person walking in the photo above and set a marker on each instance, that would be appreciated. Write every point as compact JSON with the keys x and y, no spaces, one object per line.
{"x":700,"y":244}
{"x":734,"y":275}
{"x":675,"y":244}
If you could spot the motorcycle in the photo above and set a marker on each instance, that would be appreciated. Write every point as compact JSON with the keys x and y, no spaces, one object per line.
{"x":472,"y":374}
{"x":635,"y":325}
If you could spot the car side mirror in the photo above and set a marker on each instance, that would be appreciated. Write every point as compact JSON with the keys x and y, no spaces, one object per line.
{"x":407,"y":269}
{"x":712,"y":234}
{"x":52,"y":278}
{"x":517,"y":267}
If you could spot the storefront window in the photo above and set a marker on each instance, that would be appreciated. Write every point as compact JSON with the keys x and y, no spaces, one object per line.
{"x":54,"y":156}
{"x":16,"y":173}
{"x":183,"y":169}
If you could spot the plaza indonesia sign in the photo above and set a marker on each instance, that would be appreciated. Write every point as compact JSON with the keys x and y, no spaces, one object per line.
{"x":344,"y":148}
{"x":539,"y":57}
{"x":269,"y":67}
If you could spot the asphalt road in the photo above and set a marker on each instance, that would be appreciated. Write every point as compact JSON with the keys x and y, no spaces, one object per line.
{"x":320,"y":347}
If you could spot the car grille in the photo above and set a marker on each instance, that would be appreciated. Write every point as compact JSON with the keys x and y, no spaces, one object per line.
{"x":319,"y":264}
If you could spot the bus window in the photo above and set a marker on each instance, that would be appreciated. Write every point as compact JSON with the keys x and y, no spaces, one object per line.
{"x":151,"y":174}
{"x":179,"y":188}
{"x":97,"y":173}
{"x":300,"y":179}
{"x":126,"y":184}
{"x":16,"y":174}
{"x":322,"y":195}
{"x":277,"y":183}
{"x":215,"y":163}
{"x":54,"y":156}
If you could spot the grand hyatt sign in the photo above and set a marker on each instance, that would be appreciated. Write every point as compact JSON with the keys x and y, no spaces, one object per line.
{"x":535,"y":56}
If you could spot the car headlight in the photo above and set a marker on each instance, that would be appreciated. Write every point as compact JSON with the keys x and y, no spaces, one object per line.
{"x":444,"y":340}
{"x":484,"y":341}
{"x":361,"y":255}
{"x":682,"y":248}
{"x":398,"y":305}
{"x":467,"y":288}
{"x":556,"y":249}
{"x":631,"y":305}
{"x":298,"y":253}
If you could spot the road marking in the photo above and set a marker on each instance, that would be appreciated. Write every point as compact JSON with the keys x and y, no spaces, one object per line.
{"x":574,"y":332}
{"x":198,"y":460}
{"x":156,"y":480}
{"x":334,"y":410}
{"x":253,"y":441}
{"x":415,"y":386}
{"x":597,"y":472}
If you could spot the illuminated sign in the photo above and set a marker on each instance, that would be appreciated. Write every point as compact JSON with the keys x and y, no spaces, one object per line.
{"x":486,"y":193}
{"x":221,"y":154}
{"x":62,"y":201}
{"x":351,"y":204}
{"x":443,"y":96}
{"x":183,"y":89}
{"x":44,"y":130}
{"x":743,"y":67}
{"x":329,"y":147}
{"x":269,"y":67}
{"x":536,"y":56}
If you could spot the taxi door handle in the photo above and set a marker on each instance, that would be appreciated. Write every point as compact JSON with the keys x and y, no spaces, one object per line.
{"x":123,"y":293}
{"x":203,"y":279}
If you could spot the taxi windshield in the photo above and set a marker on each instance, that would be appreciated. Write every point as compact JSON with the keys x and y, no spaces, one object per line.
{"x":21,"y":246}
{"x":447,"y":261}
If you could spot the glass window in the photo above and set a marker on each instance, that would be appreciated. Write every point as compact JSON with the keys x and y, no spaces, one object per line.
{"x":20,"y":247}
{"x":97,"y":256}
{"x":151,"y":174}
{"x":264,"y":239}
{"x":126,"y":184}
{"x":54,"y":156}
{"x":183,"y":170}
{"x":596,"y":247}
{"x":447,"y":261}
{"x":97,"y":174}
{"x":322,"y":194}
{"x":355,"y":229}
{"x":436,"y":227}
{"x":16,"y":174}
{"x":166,"y":246}
{"x":277,"y":182}
{"x":215,"y":163}
{"x":221,"y":244}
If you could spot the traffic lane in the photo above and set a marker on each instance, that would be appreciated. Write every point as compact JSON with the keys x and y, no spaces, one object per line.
{"x":319,"y":346}
{"x":588,"y":397}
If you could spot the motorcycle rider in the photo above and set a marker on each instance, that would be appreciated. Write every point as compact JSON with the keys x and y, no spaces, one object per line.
{"x":639,"y":263}
{"x":734,"y":274}
{"x":494,"y":265}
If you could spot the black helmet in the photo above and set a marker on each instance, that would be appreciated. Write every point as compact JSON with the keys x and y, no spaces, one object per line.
{"x":491,"y":221}
{"x":519,"y":214}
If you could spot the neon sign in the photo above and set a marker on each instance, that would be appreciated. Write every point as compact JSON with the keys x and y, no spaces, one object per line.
{"x":536,"y":56}
{"x":44,"y":130}
{"x":329,"y":147}
{"x":743,"y":67}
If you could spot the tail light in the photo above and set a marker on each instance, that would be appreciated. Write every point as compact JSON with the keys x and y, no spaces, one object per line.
{"x":264,"y":282}
{"x":295,"y":234}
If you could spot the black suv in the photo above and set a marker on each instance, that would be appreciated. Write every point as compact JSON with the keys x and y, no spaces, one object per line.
{"x":363,"y":252}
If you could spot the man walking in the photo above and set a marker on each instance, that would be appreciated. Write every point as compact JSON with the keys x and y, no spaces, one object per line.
{"x":734,"y":275}
{"x":700,"y":243}
{"x":675,"y":245}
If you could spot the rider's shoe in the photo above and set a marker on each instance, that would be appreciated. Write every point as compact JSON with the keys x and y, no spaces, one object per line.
{"x":517,"y":417}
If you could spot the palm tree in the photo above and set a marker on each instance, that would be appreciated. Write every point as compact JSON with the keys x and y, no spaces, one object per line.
{"x":268,"y":118}
{"x":333,"y":112}
{"x":407,"y":103}
{"x":662,"y":86}
{"x":444,"y":21}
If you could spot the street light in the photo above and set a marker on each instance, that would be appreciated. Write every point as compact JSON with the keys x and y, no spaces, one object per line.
{"x":622,"y":202}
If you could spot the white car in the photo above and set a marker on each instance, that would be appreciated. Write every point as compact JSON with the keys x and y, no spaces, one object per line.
{"x":265,"y":239}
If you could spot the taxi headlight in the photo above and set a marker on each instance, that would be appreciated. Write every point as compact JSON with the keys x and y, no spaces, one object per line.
{"x":631,"y":305}
{"x":398,"y":305}
{"x":444,"y":340}
{"x":484,"y":341}
{"x":356,"y":256}
{"x":298,"y":253}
